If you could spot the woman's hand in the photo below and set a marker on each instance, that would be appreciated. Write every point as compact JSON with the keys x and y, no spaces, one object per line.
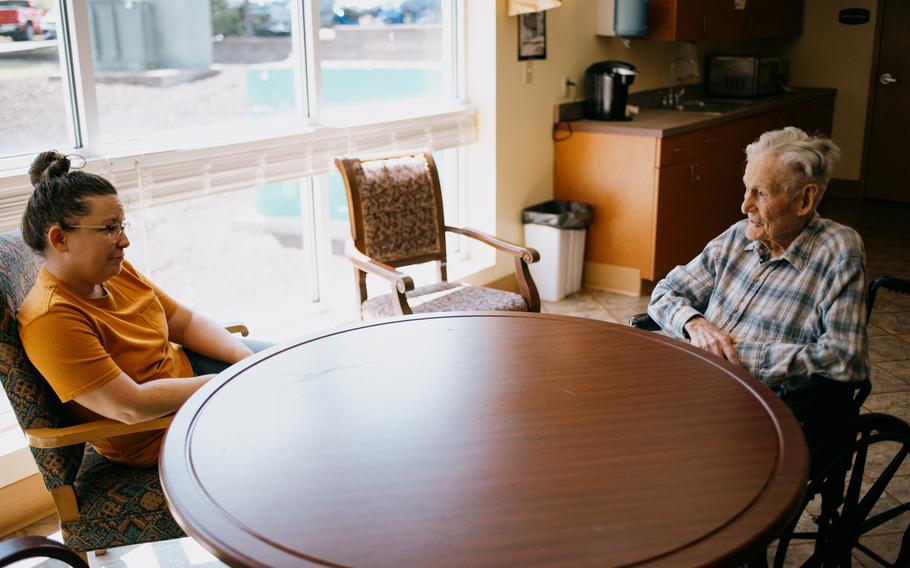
{"x":708,"y":337}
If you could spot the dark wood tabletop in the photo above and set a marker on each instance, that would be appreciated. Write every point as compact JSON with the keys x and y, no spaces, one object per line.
{"x":484,"y":439}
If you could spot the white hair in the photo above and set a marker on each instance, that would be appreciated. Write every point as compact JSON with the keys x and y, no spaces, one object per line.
{"x":810,"y":159}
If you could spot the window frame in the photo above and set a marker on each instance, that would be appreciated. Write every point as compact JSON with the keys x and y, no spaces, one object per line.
{"x":78,"y":74}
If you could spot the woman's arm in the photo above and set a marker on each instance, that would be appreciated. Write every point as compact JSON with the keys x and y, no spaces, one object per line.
{"x":200,"y":334}
{"x":125,"y":400}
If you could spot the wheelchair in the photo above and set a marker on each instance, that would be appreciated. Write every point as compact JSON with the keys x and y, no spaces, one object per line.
{"x":853,"y":459}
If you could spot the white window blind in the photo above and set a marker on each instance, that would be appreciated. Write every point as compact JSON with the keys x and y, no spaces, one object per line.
{"x":155,"y":178}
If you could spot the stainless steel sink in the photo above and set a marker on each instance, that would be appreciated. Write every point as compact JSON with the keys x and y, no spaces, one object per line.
{"x":717,"y":106}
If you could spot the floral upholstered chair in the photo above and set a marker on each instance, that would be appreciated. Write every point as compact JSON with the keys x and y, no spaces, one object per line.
{"x":101,"y":504}
{"x":395,"y":204}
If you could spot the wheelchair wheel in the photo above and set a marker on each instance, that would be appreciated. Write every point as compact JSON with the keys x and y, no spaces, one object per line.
{"x":848,"y":509}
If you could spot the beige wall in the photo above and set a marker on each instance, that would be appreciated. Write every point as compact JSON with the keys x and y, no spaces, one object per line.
{"x":516,"y":156}
{"x":523,"y":112}
{"x":830,"y":54}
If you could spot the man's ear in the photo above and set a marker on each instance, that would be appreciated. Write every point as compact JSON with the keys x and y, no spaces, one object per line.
{"x":56,"y":238}
{"x":807,"y":199}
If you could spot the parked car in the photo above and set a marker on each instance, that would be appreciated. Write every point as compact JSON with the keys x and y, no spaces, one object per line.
{"x":413,"y":11}
{"x":270,"y":17}
{"x":20,"y":19}
{"x":49,"y":24}
{"x":353,"y":12}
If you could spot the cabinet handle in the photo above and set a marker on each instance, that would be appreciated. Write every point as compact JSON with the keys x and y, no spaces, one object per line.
{"x":676,"y":149}
{"x":694,"y":177}
{"x":704,"y":25}
{"x":708,"y":140}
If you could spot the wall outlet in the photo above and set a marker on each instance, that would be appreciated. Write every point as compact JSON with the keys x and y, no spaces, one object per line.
{"x":567,"y":87}
{"x":528,"y":73}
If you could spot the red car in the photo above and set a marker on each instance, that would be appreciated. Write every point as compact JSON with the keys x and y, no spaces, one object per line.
{"x":20,"y":19}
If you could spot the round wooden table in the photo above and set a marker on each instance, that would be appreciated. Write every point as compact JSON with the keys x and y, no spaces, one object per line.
{"x":484,"y":439}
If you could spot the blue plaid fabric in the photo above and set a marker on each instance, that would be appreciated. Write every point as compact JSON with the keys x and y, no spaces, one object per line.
{"x":800,"y":314}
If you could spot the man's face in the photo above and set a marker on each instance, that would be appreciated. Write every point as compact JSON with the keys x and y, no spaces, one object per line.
{"x":775,"y":218}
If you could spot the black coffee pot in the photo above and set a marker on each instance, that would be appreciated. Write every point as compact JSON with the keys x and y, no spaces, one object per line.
{"x":607,"y":90}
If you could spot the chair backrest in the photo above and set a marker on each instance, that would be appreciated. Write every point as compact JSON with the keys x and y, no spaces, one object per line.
{"x":395,"y":203}
{"x":34,"y":402}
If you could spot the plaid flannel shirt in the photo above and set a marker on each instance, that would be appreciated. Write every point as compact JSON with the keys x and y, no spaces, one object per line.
{"x":801,"y":314}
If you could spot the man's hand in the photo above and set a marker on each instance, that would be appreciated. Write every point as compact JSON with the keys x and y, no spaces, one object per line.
{"x":706,"y":336}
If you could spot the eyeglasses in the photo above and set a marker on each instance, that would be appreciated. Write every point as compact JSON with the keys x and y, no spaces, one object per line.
{"x":114,"y":231}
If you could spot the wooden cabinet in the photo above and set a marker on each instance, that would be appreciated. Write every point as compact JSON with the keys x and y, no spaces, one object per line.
{"x":658,"y":201}
{"x":691,"y":20}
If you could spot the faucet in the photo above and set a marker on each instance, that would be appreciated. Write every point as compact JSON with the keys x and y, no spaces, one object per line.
{"x":673,"y":98}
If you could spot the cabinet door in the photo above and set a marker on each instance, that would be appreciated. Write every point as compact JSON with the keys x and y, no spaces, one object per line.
{"x":696,"y":201}
{"x":680,"y":20}
{"x":692,"y":20}
{"x":683,"y":197}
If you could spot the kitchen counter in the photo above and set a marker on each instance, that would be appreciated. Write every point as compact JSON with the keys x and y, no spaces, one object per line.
{"x":667,"y":182}
{"x":660,"y":122}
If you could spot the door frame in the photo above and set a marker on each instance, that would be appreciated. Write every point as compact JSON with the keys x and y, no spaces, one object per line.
{"x":870,"y":96}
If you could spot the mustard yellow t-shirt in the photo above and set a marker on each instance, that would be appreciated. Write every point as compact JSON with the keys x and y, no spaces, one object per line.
{"x":79,"y":344}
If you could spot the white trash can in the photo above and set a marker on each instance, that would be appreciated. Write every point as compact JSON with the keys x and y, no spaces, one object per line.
{"x":557,"y":229}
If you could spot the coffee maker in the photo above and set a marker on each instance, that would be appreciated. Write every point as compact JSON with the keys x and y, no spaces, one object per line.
{"x":607,"y":90}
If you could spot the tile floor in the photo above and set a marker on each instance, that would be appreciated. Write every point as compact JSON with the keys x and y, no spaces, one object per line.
{"x":884,"y":230}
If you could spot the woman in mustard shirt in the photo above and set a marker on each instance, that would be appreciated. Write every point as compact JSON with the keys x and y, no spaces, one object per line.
{"x":108,"y":341}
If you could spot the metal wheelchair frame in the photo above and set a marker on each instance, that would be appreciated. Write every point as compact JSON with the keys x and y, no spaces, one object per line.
{"x":848,"y":508}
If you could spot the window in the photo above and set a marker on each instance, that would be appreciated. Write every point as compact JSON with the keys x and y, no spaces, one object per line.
{"x":218,"y":121}
{"x":35,"y":103}
{"x":166,"y":66}
{"x":380,"y":54}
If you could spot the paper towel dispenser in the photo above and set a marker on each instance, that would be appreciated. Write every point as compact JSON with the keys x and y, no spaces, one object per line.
{"x":622,"y":18}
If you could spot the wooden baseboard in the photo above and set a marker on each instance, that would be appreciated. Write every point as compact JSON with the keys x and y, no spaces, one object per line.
{"x":24,"y":502}
{"x":845,"y":188}
{"x":610,"y":278}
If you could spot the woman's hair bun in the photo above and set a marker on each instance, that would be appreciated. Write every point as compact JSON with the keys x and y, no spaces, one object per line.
{"x":48,"y":165}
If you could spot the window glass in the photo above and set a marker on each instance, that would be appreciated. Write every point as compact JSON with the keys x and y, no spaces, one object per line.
{"x":34,"y":105}
{"x":165,"y":66}
{"x":389,"y":53}
{"x":270,"y":256}
{"x":243,"y":256}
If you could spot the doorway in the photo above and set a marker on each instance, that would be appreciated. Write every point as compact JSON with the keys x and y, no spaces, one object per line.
{"x":886,"y":163}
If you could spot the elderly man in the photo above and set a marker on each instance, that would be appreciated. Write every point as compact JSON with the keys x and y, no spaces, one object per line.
{"x":782,"y":292}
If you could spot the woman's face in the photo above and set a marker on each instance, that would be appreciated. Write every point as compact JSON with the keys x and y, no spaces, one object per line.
{"x":95,"y":255}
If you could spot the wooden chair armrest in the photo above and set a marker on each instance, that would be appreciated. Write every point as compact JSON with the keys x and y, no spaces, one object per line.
{"x":401,"y":281}
{"x":527,"y":254}
{"x":97,"y":429}
{"x":237,"y":327}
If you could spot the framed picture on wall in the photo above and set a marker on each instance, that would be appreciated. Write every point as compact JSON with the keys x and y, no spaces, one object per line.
{"x":532,"y":36}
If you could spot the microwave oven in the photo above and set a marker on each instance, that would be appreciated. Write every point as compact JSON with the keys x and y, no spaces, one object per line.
{"x":743,"y":75}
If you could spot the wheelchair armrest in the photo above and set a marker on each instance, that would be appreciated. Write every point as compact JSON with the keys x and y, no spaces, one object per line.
{"x":94,"y":430}
{"x":644,"y":321}
{"x":898,"y":285}
{"x":22,"y":547}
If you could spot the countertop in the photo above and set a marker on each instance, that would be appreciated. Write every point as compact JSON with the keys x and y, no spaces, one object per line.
{"x":660,"y":123}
